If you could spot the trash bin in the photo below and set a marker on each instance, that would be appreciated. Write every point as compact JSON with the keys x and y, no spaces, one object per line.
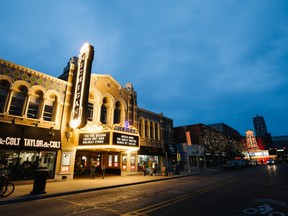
{"x":39,"y":184}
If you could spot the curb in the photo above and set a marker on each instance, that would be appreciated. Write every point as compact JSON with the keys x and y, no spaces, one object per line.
{"x":45,"y":196}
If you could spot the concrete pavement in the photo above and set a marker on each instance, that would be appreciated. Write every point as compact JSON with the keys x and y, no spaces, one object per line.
{"x":79,"y":185}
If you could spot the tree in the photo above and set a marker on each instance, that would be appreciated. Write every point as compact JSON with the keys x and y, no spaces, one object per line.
{"x":214,"y":142}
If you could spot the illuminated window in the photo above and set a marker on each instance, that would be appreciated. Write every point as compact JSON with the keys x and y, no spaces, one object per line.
{"x":116,"y":164}
{"x":4,"y":89}
{"x":110,"y":160}
{"x":18,"y":101}
{"x":90,"y":112}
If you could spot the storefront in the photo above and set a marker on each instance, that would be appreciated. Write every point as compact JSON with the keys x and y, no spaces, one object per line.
{"x":171,"y":155}
{"x":148,"y":155}
{"x":23,"y":149}
{"x":113,"y":149}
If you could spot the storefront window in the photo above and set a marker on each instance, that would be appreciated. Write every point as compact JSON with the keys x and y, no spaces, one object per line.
{"x":133,"y":162}
{"x":116,"y":161}
{"x":124,"y":162}
{"x":110,"y":160}
{"x":20,"y":165}
{"x":148,"y":161}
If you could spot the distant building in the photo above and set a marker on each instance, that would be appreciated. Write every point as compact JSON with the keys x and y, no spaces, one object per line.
{"x":228,"y":131}
{"x":260,"y":126}
{"x":262,"y":134}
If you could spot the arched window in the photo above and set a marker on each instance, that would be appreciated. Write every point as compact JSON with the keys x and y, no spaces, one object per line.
{"x":157,"y":137}
{"x":18,"y":101}
{"x":152,"y":135}
{"x":90,"y":112}
{"x":34,"y":105}
{"x":50,"y":108}
{"x":117,"y":113}
{"x":147,"y":129}
{"x":104,"y":111}
{"x":4,"y":90}
{"x":141,"y":127}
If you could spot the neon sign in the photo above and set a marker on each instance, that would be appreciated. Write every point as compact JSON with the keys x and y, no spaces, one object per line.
{"x":82,"y":82}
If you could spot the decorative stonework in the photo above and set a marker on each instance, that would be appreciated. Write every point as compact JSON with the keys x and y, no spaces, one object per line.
{"x":32,"y":77}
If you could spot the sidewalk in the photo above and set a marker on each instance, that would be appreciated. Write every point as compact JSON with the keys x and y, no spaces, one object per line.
{"x":60,"y":188}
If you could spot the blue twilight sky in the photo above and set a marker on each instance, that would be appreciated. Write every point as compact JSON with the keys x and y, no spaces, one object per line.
{"x":197,"y":61}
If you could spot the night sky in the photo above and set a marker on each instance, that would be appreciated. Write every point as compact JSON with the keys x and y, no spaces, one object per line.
{"x":197,"y":61}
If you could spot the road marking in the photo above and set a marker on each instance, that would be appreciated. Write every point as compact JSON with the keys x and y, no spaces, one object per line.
{"x":143,"y":211}
{"x":270,"y":201}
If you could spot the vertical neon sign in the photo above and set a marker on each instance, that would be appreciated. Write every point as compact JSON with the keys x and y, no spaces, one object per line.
{"x":81,"y":87}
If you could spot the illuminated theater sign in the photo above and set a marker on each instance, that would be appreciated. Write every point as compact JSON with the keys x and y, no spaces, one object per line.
{"x":118,"y":137}
{"x":81,"y":87}
{"x":94,"y":138}
{"x":125,"y":139}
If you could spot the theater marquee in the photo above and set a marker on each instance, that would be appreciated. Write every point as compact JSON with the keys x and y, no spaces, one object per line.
{"x":116,"y":138}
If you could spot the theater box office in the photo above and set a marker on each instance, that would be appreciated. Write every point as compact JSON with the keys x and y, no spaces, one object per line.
{"x":113,"y":149}
{"x":23,"y":149}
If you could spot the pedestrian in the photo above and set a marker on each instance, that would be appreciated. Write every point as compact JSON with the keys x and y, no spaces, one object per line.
{"x":150,"y":167}
{"x":174,"y":167}
{"x":103,"y":171}
{"x":154,"y":168}
{"x":144,"y":168}
{"x":92,"y":171}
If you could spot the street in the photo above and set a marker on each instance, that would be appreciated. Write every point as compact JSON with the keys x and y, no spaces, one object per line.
{"x":260,"y":190}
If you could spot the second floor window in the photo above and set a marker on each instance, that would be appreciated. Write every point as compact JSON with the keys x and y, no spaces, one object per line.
{"x":33,"y":108}
{"x":90,"y":112}
{"x":48,"y":110}
{"x":117,"y":113}
{"x":104,"y":112}
{"x":4,"y":89}
{"x":18,"y":101}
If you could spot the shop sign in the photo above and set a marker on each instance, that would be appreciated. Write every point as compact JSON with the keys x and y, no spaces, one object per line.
{"x":125,"y":129}
{"x":81,"y":87}
{"x":125,"y":139}
{"x":29,"y":137}
{"x":94,"y":138}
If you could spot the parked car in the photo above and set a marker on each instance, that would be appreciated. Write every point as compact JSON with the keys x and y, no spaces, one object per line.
{"x":244,"y":163}
{"x":253,"y":162}
{"x":232,"y":164}
{"x":270,"y":161}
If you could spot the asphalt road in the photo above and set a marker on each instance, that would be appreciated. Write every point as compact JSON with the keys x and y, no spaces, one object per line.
{"x":260,"y":190}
